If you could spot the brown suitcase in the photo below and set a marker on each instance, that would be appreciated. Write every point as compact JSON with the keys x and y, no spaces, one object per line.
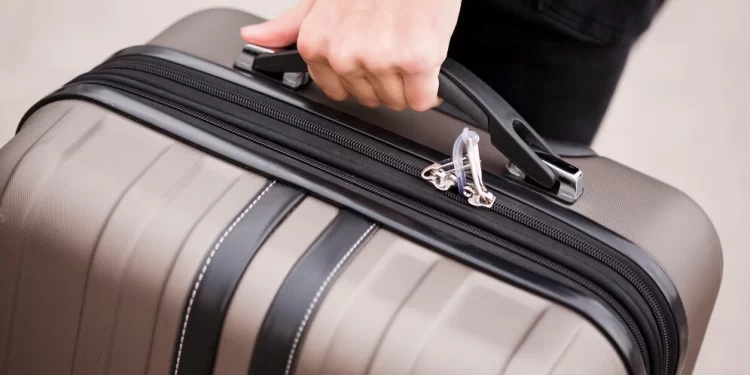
{"x":125,"y":249}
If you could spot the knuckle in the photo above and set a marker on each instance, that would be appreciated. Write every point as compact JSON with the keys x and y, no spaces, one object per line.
{"x":416,"y":65}
{"x":311,"y":48}
{"x":420,"y":61}
{"x":379,"y":60}
{"x":344,"y":57}
{"x":343,"y":61}
{"x":377,"y":64}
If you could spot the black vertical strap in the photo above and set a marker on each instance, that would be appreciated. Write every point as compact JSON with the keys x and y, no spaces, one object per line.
{"x":221,"y":271}
{"x":282,"y":334}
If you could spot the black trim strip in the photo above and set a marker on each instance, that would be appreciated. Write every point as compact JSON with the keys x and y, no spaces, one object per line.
{"x":461,"y":247}
{"x":283,"y":330}
{"x":221,"y":271}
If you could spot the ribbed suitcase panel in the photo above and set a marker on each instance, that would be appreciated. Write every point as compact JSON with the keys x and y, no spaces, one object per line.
{"x":401,"y":309}
{"x":97,"y":213}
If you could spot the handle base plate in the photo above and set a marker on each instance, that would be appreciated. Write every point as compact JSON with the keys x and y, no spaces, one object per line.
{"x":569,"y":186}
{"x":287,"y":77}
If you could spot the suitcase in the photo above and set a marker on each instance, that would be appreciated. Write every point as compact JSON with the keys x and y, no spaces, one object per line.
{"x":194,"y":205}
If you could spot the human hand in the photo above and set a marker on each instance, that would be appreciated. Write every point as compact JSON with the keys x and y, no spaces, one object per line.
{"x":382,"y":52}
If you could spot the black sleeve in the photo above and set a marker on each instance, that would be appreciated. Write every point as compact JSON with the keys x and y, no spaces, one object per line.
{"x":557,"y":62}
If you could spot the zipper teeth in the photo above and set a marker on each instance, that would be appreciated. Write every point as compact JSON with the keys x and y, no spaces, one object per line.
{"x":414,"y":170}
{"x":612,"y":262}
{"x":268,"y":110}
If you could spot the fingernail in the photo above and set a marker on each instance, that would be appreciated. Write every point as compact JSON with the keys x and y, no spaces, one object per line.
{"x":248,"y":30}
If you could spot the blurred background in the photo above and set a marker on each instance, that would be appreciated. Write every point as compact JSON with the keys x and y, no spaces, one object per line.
{"x":678,"y":114}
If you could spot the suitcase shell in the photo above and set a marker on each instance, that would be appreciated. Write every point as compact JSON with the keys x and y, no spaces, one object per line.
{"x":104,"y":251}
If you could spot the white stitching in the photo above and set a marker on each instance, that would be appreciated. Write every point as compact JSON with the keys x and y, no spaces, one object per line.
{"x":314,"y":302}
{"x":205,"y":267}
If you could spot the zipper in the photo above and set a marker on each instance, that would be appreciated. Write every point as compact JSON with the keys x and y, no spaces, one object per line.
{"x":413,"y":169}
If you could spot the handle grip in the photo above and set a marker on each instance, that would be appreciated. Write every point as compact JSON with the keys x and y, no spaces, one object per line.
{"x":509,"y":132}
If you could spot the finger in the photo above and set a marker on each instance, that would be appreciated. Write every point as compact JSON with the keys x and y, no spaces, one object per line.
{"x":421,"y":91}
{"x":342,"y":59}
{"x":390,"y":90}
{"x":361,"y":88}
{"x":327,"y":80}
{"x":281,"y":31}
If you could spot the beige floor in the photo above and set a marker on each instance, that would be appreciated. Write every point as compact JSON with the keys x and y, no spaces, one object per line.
{"x":678,"y":114}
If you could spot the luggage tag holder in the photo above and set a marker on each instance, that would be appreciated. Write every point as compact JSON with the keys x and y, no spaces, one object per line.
{"x":532,"y":165}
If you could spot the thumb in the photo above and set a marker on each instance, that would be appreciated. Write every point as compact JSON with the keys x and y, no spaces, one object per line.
{"x":281,"y":31}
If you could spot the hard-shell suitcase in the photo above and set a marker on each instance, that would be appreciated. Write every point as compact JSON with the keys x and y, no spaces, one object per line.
{"x":188,"y":207}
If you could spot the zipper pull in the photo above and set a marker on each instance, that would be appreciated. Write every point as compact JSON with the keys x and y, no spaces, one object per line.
{"x":443,"y":175}
{"x":447,"y":174}
{"x":477,"y":193}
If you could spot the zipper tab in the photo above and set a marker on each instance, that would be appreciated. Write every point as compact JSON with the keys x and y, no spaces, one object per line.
{"x":443,"y":175}
{"x":447,"y":174}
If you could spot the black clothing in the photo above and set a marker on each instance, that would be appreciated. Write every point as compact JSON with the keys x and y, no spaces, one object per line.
{"x":557,"y":62}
